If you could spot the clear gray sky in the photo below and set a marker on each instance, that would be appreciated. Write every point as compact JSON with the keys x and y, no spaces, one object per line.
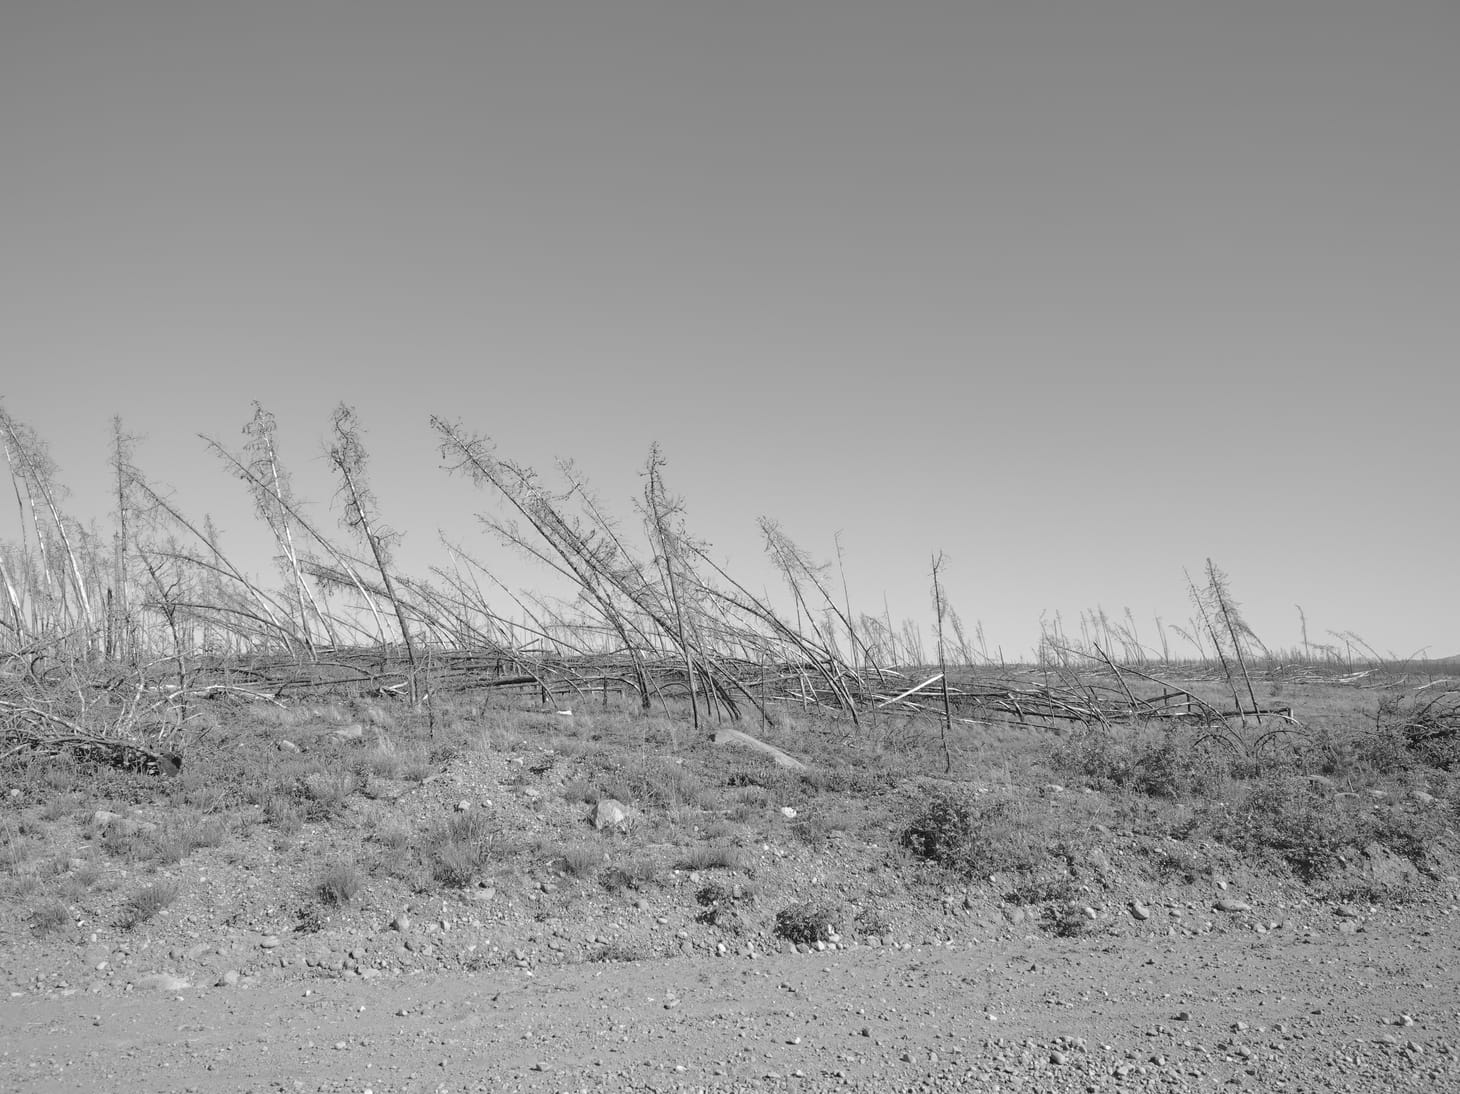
{"x":1080,"y":293}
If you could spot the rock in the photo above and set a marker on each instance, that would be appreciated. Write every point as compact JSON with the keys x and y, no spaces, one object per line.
{"x":1099,"y":860}
{"x":162,"y":981}
{"x":348,"y":733}
{"x":1422,"y":797}
{"x":610,"y":813}
{"x":1049,"y":790}
{"x":286,"y":746}
{"x":228,"y":979}
{"x":104,"y":819}
{"x":463,"y":806}
{"x":1347,"y":911}
{"x":1013,"y":914}
{"x":401,"y":922}
{"x":269,"y":941}
{"x":1139,"y":910}
{"x":1232,"y":904}
{"x":788,"y":812}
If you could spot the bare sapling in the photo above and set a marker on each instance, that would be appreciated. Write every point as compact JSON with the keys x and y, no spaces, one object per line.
{"x":660,"y":508}
{"x":348,"y":456}
{"x":273,"y":501}
{"x":33,"y":470}
{"x":1237,"y":629}
{"x":938,"y":612}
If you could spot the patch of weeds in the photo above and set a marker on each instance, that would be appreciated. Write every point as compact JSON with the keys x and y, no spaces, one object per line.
{"x":812,"y":831}
{"x":712,"y":856}
{"x":392,"y":834}
{"x":309,"y":919}
{"x":624,"y":952}
{"x":1042,"y":892}
{"x":326,"y":792}
{"x":968,"y":837}
{"x":1291,"y":818}
{"x":15,"y":850}
{"x":1066,"y":920}
{"x":723,"y":906}
{"x":871,"y":921}
{"x":665,"y":783}
{"x":634,"y":874}
{"x":281,"y":813}
{"x":807,"y":923}
{"x":579,"y":789}
{"x":415,"y":767}
{"x":1169,"y":764}
{"x":338,"y":883}
{"x":444,"y":753}
{"x":1178,"y":862}
{"x":382,"y":761}
{"x":144,"y":905}
{"x":50,"y":917}
{"x":59,"y":807}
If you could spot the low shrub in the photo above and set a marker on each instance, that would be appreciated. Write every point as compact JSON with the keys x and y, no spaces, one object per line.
{"x":807,"y":923}
{"x":968,"y":837}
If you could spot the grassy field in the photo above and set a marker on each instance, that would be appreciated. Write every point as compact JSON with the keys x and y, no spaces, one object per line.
{"x":345,"y":816}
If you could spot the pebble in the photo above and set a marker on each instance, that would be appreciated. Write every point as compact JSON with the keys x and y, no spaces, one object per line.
{"x":228,"y":979}
{"x":269,"y":941}
{"x":1231,"y":904}
{"x":1139,"y":910}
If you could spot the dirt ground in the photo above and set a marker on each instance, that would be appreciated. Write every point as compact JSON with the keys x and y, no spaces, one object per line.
{"x":1350,"y":1004}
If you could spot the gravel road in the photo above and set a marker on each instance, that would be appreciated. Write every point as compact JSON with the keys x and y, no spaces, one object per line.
{"x":1331,"y":1006}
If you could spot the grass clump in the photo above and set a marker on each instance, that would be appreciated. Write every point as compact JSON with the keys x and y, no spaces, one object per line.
{"x":338,"y":883}
{"x":580,"y":859}
{"x":144,"y":905}
{"x":50,"y":917}
{"x":713,"y":856}
{"x":460,"y":848}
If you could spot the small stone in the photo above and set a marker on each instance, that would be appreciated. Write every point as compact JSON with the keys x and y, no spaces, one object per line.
{"x":269,"y":941}
{"x":610,"y":813}
{"x":162,"y":981}
{"x":1183,"y":1016}
{"x":228,"y":979}
{"x":1139,"y":910}
{"x":463,"y":806}
{"x":287,"y":746}
{"x":401,"y":922}
{"x":1231,"y":904}
{"x":1058,"y":1058}
{"x":788,"y":812}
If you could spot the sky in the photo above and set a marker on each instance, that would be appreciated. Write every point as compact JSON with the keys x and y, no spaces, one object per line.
{"x":1079,"y":294}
